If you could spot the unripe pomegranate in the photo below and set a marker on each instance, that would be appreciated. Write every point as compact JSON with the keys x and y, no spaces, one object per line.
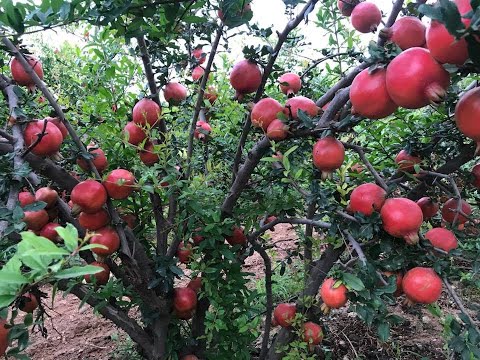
{"x":184,"y":300}
{"x":148,"y":155}
{"x":211,"y":94}
{"x":428,"y":206}
{"x":277,"y":130}
{"x":100,"y":277}
{"x":422,"y":285}
{"x":119,"y":183}
{"x":99,"y":160}
{"x":449,"y":211}
{"x":300,"y":103}
{"x":442,"y":238}
{"x":184,"y":252}
{"x":26,"y":198}
{"x":135,"y":133}
{"x":28,"y":303}
{"x":407,"y":162}
{"x":237,"y":237}
{"x":333,"y":297}
{"x":328,"y":155}
{"x":312,"y":333}
{"x":20,"y":75}
{"x":402,"y":218}
{"x":197,"y":73}
{"x":175,"y":93}
{"x":35,"y":220}
{"x":406,"y":32}
{"x":370,"y":85}
{"x":59,"y":124}
{"x":476,"y":176}
{"x":264,"y":112}
{"x":50,"y":142}
{"x":88,"y":196}
{"x":367,"y":198}
{"x":107,"y":237}
{"x":195,"y":284}
{"x":284,"y":314}
{"x":398,"y":281}
{"x":346,"y":6}
{"x":198,"y":54}
{"x":366,"y":17}
{"x":95,"y":220}
{"x":444,"y":47}
{"x":202,"y":131}
{"x":415,"y":79}
{"x":49,"y":232}
{"x":146,"y":111}
{"x":466,"y":113}
{"x":290,"y":84}
{"x":245,"y":77}
{"x":3,"y":337}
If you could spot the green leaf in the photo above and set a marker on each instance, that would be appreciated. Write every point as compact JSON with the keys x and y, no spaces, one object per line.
{"x":383,"y":331}
{"x":69,"y":234}
{"x":76,"y":271}
{"x":9,"y":277}
{"x":6,"y":300}
{"x":353,"y":282}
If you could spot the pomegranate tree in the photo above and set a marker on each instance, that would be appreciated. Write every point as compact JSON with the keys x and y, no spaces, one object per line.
{"x":264,"y":112}
{"x":284,"y":314}
{"x":422,"y":285}
{"x":290,"y":84}
{"x":88,"y":196}
{"x":366,"y":17}
{"x":402,"y":218}
{"x":367,"y":198}
{"x":119,"y":183}
{"x":406,"y":32}
{"x":442,"y":239}
{"x":50,"y":136}
{"x":106,"y":237}
{"x":245,"y":78}
{"x":328,"y":155}
{"x":466,"y":115}
{"x":146,"y":111}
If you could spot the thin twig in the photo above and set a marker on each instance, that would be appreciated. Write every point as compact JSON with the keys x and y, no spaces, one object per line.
{"x":367,"y":163}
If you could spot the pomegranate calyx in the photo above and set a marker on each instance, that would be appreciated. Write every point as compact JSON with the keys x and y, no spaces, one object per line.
{"x":477,"y":150}
{"x":411,"y":239}
{"x":435,"y":93}
{"x":386,"y":33}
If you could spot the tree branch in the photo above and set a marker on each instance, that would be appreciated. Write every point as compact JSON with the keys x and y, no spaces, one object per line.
{"x":367,"y":163}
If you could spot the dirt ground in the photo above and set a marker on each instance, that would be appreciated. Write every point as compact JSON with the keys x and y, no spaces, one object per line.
{"x":78,"y":334}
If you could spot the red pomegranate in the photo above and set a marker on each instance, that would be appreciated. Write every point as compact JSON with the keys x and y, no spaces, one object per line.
{"x":107,"y":237}
{"x":99,"y":160}
{"x":333,"y":297}
{"x":88,"y":196}
{"x":328,"y":155}
{"x":464,"y":7}
{"x":95,"y":220}
{"x":237,"y":237}
{"x":277,"y":130}
{"x":146,"y":111}
{"x":290,"y":84}
{"x":202,"y":131}
{"x":101,"y":278}
{"x":398,"y":281}
{"x":346,"y":6}
{"x":184,"y":252}
{"x":3,"y":337}
{"x":406,"y":32}
{"x":197,"y":73}
{"x":119,"y":183}
{"x":415,"y":79}
{"x":264,"y":112}
{"x":135,"y":133}
{"x":370,"y":85}
{"x":312,"y":333}
{"x":402,"y":218}
{"x":466,"y":115}
{"x":59,"y":124}
{"x":476,"y":176}
{"x":442,"y":239}
{"x":51,"y":141}
{"x":245,"y":77}
{"x":175,"y":93}
{"x":428,"y":206}
{"x":130,"y":219}
{"x":211,"y":94}
{"x":148,"y":155}
{"x":444,"y":47}
{"x":284,"y":314}
{"x":367,"y":198}
{"x":196,"y":237}
{"x":366,"y":17}
{"x":198,"y":54}
{"x":189,"y":357}
{"x":28,"y":303}
{"x":422,"y":285}
{"x":35,"y":220}
{"x":25,"y":198}
{"x":300,"y":103}
{"x":195,"y":284}
{"x":49,"y":232}
{"x":449,"y":211}
{"x":20,"y":75}
{"x":406,"y":162}
{"x":184,"y":300}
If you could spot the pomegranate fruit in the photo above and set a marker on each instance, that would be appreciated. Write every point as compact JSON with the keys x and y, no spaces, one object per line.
{"x":402,"y":218}
{"x":406,"y":162}
{"x":277,"y":130}
{"x":101,"y":278}
{"x":464,"y":7}
{"x":146,"y":111}
{"x":199,"y":55}
{"x":312,"y":333}
{"x":264,"y":112}
{"x":50,"y":142}
{"x":119,"y":183}
{"x":476,"y":176}
{"x":237,"y":237}
{"x":300,"y":103}
{"x":284,"y":314}
{"x":184,"y":300}
{"x":346,"y":6}
{"x":328,"y":155}
{"x":211,"y":95}
{"x":290,"y":84}
{"x":3,"y":337}
{"x":196,"y":237}
{"x":466,"y":116}
{"x":370,"y":85}
{"x":449,"y":211}
{"x":88,"y":196}
{"x":189,"y":357}
{"x":135,"y":133}
{"x":442,"y":239}
{"x":35,"y":220}
{"x":444,"y":47}
{"x":202,"y":131}
{"x":366,"y":17}
{"x":148,"y":155}
{"x":398,"y":281}
{"x":19,"y":74}
{"x":95,"y":220}
{"x":245,"y":77}
{"x":428,"y":206}
{"x":99,"y":160}
{"x":184,"y":252}
{"x":422,"y":285}
{"x":28,"y":303}
{"x":47,"y":195}
{"x":197,"y":73}
{"x":49,"y":232}
{"x":333,"y":297}
{"x":406,"y":32}
{"x":175,"y":93}
{"x":415,"y":79}
{"x":367,"y":198}
{"x":195,"y":284}
{"x":107,"y":237}
{"x":59,"y":124}
{"x":25,"y":198}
